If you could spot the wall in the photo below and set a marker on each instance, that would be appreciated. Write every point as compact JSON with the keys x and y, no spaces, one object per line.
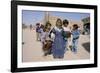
{"x":5,"y":37}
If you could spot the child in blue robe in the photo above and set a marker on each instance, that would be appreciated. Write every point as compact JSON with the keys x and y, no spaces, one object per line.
{"x":75,"y":34}
{"x":58,"y":47}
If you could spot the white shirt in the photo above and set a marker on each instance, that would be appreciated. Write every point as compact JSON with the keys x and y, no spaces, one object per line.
{"x":66,"y":29}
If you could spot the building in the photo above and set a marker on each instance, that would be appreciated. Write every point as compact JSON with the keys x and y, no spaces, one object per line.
{"x":86,"y":25}
{"x":86,"y":20}
{"x":53,"y":19}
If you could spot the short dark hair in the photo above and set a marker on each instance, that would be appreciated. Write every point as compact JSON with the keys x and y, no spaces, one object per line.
{"x":37,"y":24}
{"x":75,"y":26}
{"x":65,"y":21}
{"x":42,"y":26}
{"x":48,"y":23}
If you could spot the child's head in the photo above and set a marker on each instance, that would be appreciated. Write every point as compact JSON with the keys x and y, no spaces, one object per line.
{"x":47,"y":27}
{"x":65,"y":23}
{"x":75,"y":26}
{"x":42,"y":26}
{"x":59,"y":23}
{"x":37,"y":24}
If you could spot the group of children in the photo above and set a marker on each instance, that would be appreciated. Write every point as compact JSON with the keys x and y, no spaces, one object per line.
{"x":55,"y":40}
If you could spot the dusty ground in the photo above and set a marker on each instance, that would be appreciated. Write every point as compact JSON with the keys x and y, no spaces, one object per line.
{"x":32,"y":49}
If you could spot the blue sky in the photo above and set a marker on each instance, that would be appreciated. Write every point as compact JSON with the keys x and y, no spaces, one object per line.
{"x":32,"y":17}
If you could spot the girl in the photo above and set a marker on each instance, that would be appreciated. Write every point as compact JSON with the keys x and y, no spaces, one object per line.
{"x":75,"y":34}
{"x":46,"y":41}
{"x":58,"y":46}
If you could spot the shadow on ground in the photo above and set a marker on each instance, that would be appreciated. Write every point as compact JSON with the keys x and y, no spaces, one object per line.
{"x":86,"y":46}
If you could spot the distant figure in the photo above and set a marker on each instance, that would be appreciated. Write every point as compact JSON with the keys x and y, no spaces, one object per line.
{"x":30,"y":27}
{"x":41,"y":32}
{"x":75,"y":34}
{"x":38,"y":31}
{"x":58,"y":47}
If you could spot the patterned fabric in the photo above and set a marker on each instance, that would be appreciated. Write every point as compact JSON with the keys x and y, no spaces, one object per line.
{"x":38,"y":29}
{"x":46,"y":43}
{"x":75,"y":34}
{"x":58,"y":46}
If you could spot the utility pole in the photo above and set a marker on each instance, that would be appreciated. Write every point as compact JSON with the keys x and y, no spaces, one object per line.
{"x":46,"y":19}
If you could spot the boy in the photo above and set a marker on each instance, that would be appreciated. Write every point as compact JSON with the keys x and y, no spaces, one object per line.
{"x":75,"y":34}
{"x":46,"y":40}
{"x":38,"y":31}
{"x":66,"y":33}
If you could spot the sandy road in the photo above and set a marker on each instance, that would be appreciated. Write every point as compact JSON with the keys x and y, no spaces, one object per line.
{"x":32,"y":49}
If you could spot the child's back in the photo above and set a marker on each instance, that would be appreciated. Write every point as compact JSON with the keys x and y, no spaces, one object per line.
{"x":76,"y":33}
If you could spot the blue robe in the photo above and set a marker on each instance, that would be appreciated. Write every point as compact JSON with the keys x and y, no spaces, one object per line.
{"x":58,"y":46}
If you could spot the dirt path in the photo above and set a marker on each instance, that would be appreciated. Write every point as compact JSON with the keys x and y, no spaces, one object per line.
{"x":32,"y":49}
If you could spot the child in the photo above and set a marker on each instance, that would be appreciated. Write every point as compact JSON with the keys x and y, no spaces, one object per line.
{"x":37,"y":31}
{"x":31,"y":26}
{"x":75,"y":34}
{"x":58,"y":46}
{"x":66,"y":33}
{"x":46,"y":41}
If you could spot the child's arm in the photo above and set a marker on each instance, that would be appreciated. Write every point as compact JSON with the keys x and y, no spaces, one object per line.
{"x":52,"y":34}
